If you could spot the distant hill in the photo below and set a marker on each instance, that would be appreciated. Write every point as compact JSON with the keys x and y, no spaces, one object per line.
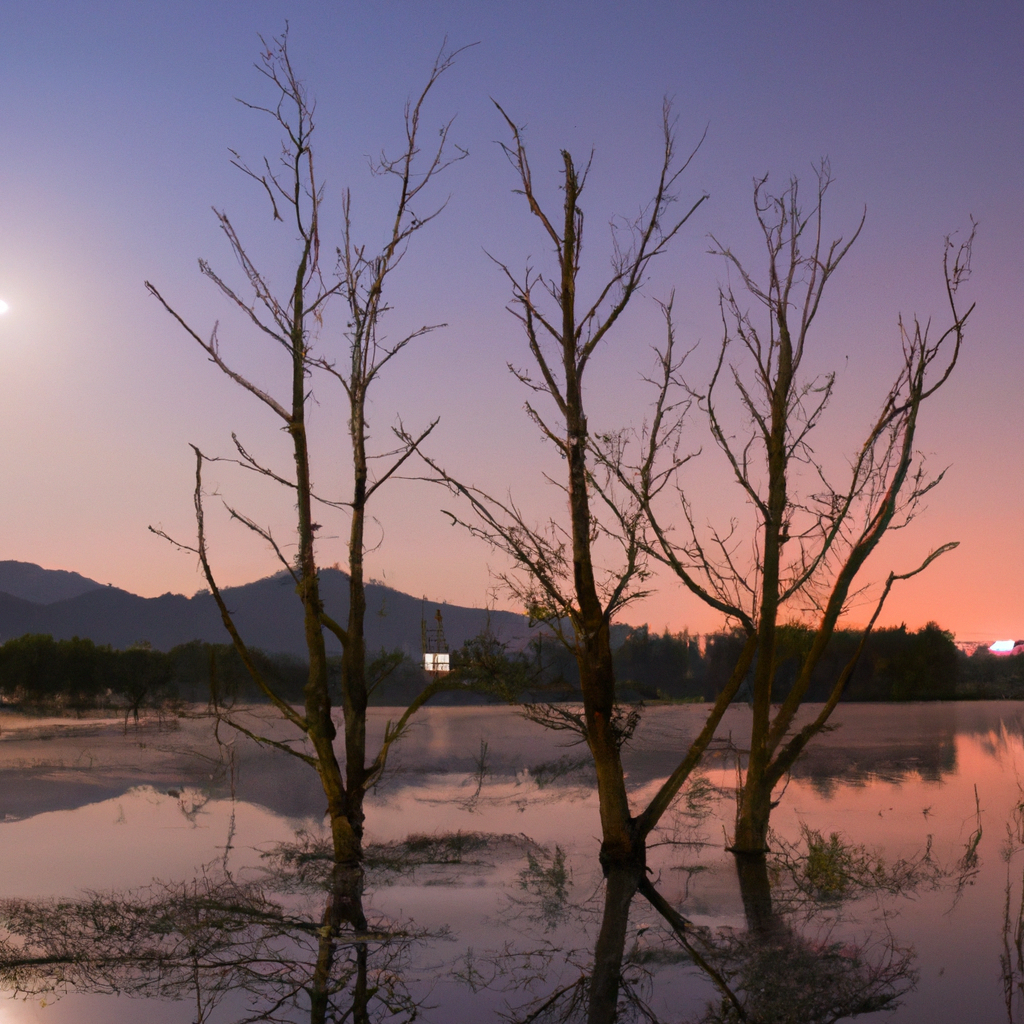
{"x":267,"y":612}
{"x":33,"y":583}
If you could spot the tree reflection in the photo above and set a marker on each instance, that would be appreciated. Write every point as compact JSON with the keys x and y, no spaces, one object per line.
{"x":794,"y":967}
{"x":1011,"y":959}
{"x":286,"y":948}
{"x":295,"y":945}
{"x":800,"y":958}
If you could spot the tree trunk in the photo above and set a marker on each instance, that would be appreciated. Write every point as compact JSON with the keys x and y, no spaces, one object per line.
{"x":756,"y":892}
{"x":593,"y":638}
{"x":620,"y":887}
{"x":344,"y":907}
{"x":353,"y":663}
{"x":753,"y":811}
{"x":619,"y":846}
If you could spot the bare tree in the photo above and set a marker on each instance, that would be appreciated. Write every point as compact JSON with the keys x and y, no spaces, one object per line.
{"x":811,"y":537}
{"x":294,"y":322}
{"x":558,"y":575}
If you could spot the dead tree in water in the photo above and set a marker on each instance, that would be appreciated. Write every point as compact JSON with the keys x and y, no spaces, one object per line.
{"x":810,"y":537}
{"x":294,"y":322}
{"x":559,"y":576}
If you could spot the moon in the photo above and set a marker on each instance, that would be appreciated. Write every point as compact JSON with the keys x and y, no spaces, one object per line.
{"x":3,"y":307}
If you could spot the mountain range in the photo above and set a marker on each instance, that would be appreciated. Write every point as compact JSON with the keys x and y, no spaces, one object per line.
{"x":267,"y":613}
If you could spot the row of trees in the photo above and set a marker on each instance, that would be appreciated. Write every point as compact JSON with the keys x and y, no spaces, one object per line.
{"x":895,"y":665}
{"x":37,"y":671}
{"x":626,"y":507}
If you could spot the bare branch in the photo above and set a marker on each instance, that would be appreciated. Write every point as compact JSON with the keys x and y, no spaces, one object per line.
{"x":212,"y":349}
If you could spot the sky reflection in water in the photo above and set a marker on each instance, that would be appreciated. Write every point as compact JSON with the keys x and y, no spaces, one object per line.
{"x":93,"y":809}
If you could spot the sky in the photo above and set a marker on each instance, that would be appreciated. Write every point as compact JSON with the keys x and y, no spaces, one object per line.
{"x":116,"y":132}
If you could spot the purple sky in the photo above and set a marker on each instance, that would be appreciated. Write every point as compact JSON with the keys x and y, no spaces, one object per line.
{"x":114,"y":147}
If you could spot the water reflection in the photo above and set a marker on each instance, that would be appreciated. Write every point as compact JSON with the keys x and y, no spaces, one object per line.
{"x":289,"y":949}
{"x":295,"y":943}
{"x":472,"y":920}
{"x":869,"y":743}
{"x":1011,"y":957}
{"x":796,"y":961}
{"x":818,"y":945}
{"x":788,"y":966}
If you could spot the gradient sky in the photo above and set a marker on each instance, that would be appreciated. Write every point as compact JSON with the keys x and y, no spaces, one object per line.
{"x":115,"y":136}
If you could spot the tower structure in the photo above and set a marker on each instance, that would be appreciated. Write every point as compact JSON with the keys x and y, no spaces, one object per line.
{"x":436,"y":658}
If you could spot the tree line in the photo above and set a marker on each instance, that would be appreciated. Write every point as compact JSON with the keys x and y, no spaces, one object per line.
{"x":897,"y":664}
{"x":40,"y":673}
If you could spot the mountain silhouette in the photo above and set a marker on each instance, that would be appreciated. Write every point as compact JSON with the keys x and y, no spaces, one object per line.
{"x":33,"y":583}
{"x":267,"y":612}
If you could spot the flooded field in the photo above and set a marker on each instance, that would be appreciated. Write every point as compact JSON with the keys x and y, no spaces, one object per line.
{"x":156,"y":874}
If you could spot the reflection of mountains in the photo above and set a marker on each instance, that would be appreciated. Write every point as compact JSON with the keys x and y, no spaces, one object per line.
{"x":61,"y":772}
{"x":886,"y":741}
{"x":828,"y":767}
{"x":25,"y":794}
{"x":880,"y":742}
{"x":281,"y":784}
{"x":877,"y":741}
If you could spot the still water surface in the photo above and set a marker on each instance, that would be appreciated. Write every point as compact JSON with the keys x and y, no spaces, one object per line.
{"x":504,"y":916}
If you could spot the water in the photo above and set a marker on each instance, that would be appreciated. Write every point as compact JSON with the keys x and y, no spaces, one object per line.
{"x":503,"y":916}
